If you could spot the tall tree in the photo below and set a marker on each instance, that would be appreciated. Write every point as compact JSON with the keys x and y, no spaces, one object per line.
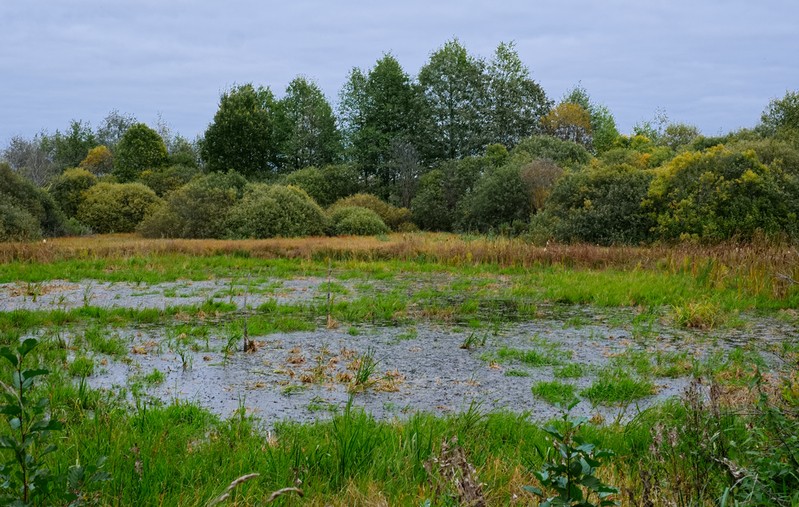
{"x":377,"y":110}
{"x":516,"y":103}
{"x":313,"y":139}
{"x":454,"y":85}
{"x":782,"y":115}
{"x":73,"y":145}
{"x":114,"y":126}
{"x":246,"y":134}
{"x":603,"y":125}
{"x":140,"y":148}
{"x":32,"y":158}
{"x":569,"y":122}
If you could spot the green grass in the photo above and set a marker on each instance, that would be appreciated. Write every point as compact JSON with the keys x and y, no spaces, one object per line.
{"x":615,"y":385}
{"x":186,"y":456}
{"x":555,"y":392}
{"x":81,"y":366}
{"x":531,"y":357}
{"x":571,"y":370}
{"x":154,"y":378}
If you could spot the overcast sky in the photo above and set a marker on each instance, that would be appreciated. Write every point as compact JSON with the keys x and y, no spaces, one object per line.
{"x":715,"y":64}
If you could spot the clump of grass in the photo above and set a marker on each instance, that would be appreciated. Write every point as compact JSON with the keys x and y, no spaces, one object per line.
{"x":698,"y":315}
{"x":571,"y":370}
{"x":473,"y":341}
{"x":517,"y":373}
{"x":100,"y":341}
{"x":617,"y":385}
{"x":529,"y":356}
{"x":81,"y":366}
{"x":673,"y":364}
{"x":154,"y":378}
{"x":365,"y":368}
{"x":555,"y":392}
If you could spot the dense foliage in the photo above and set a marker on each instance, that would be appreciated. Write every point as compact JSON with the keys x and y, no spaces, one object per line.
{"x":67,"y":189}
{"x":24,"y":201}
{"x":355,"y":221}
{"x":116,"y":207}
{"x":392,"y":216}
{"x":140,"y":148}
{"x":467,"y":144}
{"x":196,"y":210}
{"x":267,"y":211}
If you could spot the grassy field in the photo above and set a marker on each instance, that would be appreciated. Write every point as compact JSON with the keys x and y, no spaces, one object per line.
{"x":731,"y":437}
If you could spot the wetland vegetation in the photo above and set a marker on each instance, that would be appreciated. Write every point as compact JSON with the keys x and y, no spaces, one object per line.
{"x":406,"y":370}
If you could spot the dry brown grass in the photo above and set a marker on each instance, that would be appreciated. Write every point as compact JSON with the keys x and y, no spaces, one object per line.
{"x":761,"y":267}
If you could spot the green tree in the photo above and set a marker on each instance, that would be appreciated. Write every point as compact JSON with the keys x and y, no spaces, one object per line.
{"x":600,"y":204}
{"x":454,"y":85}
{"x":325,"y":185}
{"x":500,"y":198}
{"x":378,"y":110}
{"x":313,"y":139}
{"x":563,"y":153}
{"x":67,"y":189}
{"x":515,"y":102}
{"x":73,"y":145}
{"x":246,"y":134}
{"x":140,"y":148}
{"x":679,"y":135}
{"x":436,"y":203}
{"x":25,"y":195}
{"x":782,"y":115}
{"x":199,"y":209}
{"x":267,"y":211}
{"x":603,"y":125}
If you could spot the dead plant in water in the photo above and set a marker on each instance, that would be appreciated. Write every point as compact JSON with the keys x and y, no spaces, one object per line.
{"x":452,"y":475}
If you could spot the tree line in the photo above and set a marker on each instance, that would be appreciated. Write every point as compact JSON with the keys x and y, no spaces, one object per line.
{"x":466,"y":145}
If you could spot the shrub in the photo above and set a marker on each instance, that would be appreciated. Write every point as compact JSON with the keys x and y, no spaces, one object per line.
{"x":267,"y":211}
{"x":563,"y":153}
{"x":67,"y":189}
{"x":441,"y":190}
{"x":325,"y":185}
{"x":199,"y":209}
{"x":168,"y":179}
{"x":722,"y":193}
{"x":24,"y":195}
{"x":356,"y":221}
{"x":602,"y":205}
{"x":500,"y":198}
{"x":16,"y":224}
{"x":392,"y":216}
{"x":116,"y":207}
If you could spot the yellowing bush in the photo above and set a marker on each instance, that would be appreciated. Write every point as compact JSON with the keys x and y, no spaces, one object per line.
{"x":392,"y":216}
{"x":116,"y":207}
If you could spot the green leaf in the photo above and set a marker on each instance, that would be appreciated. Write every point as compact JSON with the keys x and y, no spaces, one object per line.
{"x":75,"y":476}
{"x":591,"y":483}
{"x":12,"y":410}
{"x":533,"y":490}
{"x":7,"y":443}
{"x":29,"y":374}
{"x":27,"y":346}
{"x":9,"y":356}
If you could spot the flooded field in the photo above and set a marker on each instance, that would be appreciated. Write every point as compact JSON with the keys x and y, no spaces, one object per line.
{"x":424,"y":348}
